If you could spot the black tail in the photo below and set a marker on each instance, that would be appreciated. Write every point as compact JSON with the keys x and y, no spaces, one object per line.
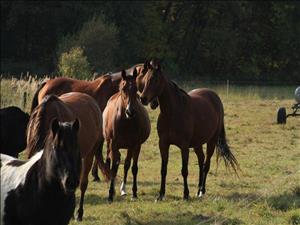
{"x":35,"y":100}
{"x":224,"y":151}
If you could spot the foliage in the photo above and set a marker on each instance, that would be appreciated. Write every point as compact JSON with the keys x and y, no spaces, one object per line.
{"x":74,"y":64}
{"x":237,"y":40}
{"x":99,"y":39}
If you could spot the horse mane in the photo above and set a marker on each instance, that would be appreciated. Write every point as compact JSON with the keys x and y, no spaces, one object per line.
{"x":36,"y":131}
{"x":179,"y":92}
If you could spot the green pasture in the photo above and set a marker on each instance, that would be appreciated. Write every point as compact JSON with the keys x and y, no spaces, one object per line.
{"x":267,"y":190}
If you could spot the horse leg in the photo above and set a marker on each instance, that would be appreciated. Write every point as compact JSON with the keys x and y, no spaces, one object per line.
{"x":209,"y":152}
{"x":107,"y":162}
{"x":200,"y":156}
{"x":126,"y":168}
{"x":95,"y":171}
{"x":185,"y":171}
{"x":86,"y":167}
{"x":164,"y":154}
{"x":134,"y":170}
{"x":114,"y":152}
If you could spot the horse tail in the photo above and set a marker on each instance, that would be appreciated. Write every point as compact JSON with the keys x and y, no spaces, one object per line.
{"x":224,"y":151}
{"x":35,"y":100}
{"x":100,"y":161}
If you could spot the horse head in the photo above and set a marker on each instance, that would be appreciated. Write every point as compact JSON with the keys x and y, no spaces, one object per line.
{"x":128,"y":89}
{"x":153,"y":83}
{"x":63,"y":161}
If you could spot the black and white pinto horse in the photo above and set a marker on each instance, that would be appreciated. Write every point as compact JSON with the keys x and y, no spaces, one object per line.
{"x":42,"y":189}
{"x":13,"y":130}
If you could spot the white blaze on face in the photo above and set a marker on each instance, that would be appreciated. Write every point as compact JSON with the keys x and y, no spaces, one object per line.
{"x":13,"y":176}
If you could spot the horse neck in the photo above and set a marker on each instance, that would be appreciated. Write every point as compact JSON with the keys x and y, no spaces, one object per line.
{"x":167,"y":100}
{"x":92,"y":85}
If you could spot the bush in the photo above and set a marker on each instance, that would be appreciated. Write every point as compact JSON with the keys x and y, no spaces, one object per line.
{"x":74,"y":64}
{"x":99,"y":40}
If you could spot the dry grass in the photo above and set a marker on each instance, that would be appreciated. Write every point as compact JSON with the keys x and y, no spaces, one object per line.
{"x":267,"y":191}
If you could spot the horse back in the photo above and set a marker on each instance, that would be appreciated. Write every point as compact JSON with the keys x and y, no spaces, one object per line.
{"x":207,"y":113}
{"x":86,"y":109}
{"x":61,"y":85}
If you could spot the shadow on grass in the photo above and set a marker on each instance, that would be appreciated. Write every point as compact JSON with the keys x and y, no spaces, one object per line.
{"x":285,"y":201}
{"x":237,"y":197}
{"x":92,"y":199}
{"x":182,"y":219}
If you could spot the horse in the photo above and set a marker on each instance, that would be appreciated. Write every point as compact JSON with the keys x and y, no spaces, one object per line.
{"x":67,"y":107}
{"x":187,"y":120}
{"x":126,"y":125}
{"x":101,"y":89}
{"x":42,"y":189}
{"x":13,"y":130}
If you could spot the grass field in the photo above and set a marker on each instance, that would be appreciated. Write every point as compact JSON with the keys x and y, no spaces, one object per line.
{"x":267,"y":190}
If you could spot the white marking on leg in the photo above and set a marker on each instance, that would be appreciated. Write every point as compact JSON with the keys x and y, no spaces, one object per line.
{"x":201,"y":195}
{"x":123,"y":189}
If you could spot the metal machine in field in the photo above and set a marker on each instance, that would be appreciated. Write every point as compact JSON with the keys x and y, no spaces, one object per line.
{"x":281,"y":114}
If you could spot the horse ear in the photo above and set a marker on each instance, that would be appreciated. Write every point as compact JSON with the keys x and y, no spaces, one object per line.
{"x":76,"y":125}
{"x":54,"y":126}
{"x":123,"y":73}
{"x":134,"y":73}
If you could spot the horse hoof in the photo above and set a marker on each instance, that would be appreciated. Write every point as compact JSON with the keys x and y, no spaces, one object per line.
{"x":159,"y":199}
{"x":110,"y":200}
{"x":186,"y":198}
{"x":134,"y":198}
{"x":79,"y":218}
{"x":200,"y":195}
{"x":123,"y":193}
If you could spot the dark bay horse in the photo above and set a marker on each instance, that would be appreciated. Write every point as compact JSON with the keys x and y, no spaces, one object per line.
{"x":42,"y":189}
{"x":13,"y":124}
{"x":187,"y":120}
{"x":66,"y":108}
{"x":125,"y":125}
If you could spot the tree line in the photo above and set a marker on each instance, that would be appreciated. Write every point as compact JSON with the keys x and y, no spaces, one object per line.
{"x":237,"y":40}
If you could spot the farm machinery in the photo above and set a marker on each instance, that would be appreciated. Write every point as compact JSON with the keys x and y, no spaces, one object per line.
{"x":281,"y":114}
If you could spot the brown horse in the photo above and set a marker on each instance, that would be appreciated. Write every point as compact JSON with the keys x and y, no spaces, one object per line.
{"x":66,"y":108}
{"x":187,"y":121}
{"x":101,"y":89}
{"x":125,"y":125}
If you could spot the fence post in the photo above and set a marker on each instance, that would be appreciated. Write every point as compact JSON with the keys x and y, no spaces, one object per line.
{"x":24,"y":100}
{"x":227,"y":88}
